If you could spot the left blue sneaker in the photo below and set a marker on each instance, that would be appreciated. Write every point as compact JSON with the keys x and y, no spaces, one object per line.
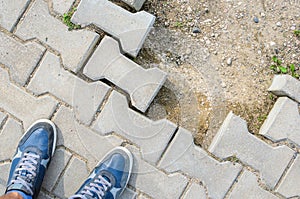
{"x":32,"y":158}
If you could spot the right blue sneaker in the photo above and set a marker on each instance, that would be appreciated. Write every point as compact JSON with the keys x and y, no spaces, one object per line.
{"x":110,"y":177}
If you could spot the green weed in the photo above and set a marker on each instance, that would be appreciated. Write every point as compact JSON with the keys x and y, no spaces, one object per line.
{"x":67,"y":20}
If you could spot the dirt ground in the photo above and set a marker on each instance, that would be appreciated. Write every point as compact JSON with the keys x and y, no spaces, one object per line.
{"x":218,"y":56}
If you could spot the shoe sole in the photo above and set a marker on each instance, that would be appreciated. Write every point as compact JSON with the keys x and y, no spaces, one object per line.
{"x":130,"y":161}
{"x":54,"y":131}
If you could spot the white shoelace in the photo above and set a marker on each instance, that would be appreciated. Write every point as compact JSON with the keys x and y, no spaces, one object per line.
{"x":28,"y":166}
{"x":98,"y":187}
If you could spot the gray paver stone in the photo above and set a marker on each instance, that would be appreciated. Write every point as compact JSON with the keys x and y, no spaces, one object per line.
{"x":107,"y":62}
{"x":4,"y":172}
{"x":183,"y":155}
{"x":9,"y":138}
{"x":286,"y":85}
{"x":128,"y":194}
{"x":247,"y":187}
{"x":19,"y":58}
{"x":2,"y":117}
{"x":195,"y":191}
{"x":43,"y":195}
{"x":56,"y":167}
{"x":81,"y":139}
{"x":23,"y":105}
{"x":11,"y":11}
{"x":75,"y":174}
{"x":62,"y":6}
{"x":155,"y":183}
{"x":83,"y":96}
{"x":234,"y":139}
{"x":136,"y":4}
{"x":117,"y":117}
{"x":131,"y":29}
{"x":74,"y":46}
{"x":289,"y":186}
{"x":283,"y":122}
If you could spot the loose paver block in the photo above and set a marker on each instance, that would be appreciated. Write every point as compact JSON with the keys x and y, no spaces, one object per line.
{"x":56,"y":167}
{"x":11,"y":11}
{"x":81,"y":139}
{"x":83,"y":96}
{"x":73,"y":46}
{"x":107,"y":62}
{"x":234,"y":139}
{"x":9,"y":138}
{"x":247,"y":187}
{"x":117,"y":117}
{"x":195,"y":191}
{"x":4,"y":172}
{"x":286,"y":85}
{"x":23,"y":105}
{"x":153,"y":182}
{"x":136,"y":4}
{"x":183,"y":155}
{"x":19,"y":58}
{"x":62,"y":6}
{"x":75,"y":174}
{"x":289,"y":186}
{"x":131,"y":29}
{"x":283,"y":122}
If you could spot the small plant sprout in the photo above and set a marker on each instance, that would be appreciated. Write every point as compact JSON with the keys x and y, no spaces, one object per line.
{"x":67,"y":20}
{"x":279,"y":69}
{"x":297,"y":33}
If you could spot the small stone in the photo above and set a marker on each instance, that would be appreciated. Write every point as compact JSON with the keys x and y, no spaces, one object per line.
{"x":262,"y":14}
{"x":196,"y":30}
{"x":278,"y":24}
{"x":229,"y":61}
{"x":255,"y":19}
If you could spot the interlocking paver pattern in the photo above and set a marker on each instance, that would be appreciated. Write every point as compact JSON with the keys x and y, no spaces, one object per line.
{"x":47,"y":71}
{"x":108,"y":62}
{"x":286,"y":85}
{"x":83,"y":96}
{"x":195,"y":191}
{"x":23,"y":105}
{"x":130,"y":28}
{"x":118,"y":117}
{"x":289,"y":187}
{"x":247,"y":187}
{"x":19,"y":58}
{"x":11,"y":11}
{"x":183,"y":155}
{"x":233,"y":139}
{"x":283,"y":122}
{"x":73,"y":46}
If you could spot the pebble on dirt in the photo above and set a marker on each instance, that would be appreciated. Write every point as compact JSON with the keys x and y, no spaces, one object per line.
{"x":196,"y":30}
{"x":255,"y":19}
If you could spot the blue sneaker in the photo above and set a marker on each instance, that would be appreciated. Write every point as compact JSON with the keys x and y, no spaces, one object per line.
{"x":110,"y":177}
{"x":32,"y":158}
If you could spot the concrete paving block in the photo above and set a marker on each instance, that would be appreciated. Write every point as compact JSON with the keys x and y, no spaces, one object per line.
{"x":81,"y":139}
{"x":234,"y":139}
{"x":19,"y":58}
{"x":195,"y":191}
{"x":289,"y":186}
{"x":83,"y":96}
{"x":73,"y":46}
{"x":9,"y":138}
{"x":183,"y":155}
{"x":286,"y":85}
{"x":76,"y":173}
{"x":117,"y":117}
{"x":23,"y":105}
{"x":43,"y":195}
{"x":136,"y":4}
{"x":11,"y":11}
{"x":107,"y":62}
{"x":131,"y":29}
{"x":2,"y":117}
{"x":62,"y":6}
{"x":56,"y":167}
{"x":153,"y":182}
{"x":248,"y":187}
{"x":128,"y":194}
{"x":283,"y":122}
{"x":4,"y":172}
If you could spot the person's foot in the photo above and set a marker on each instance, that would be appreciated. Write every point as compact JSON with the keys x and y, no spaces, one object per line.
{"x":32,"y":158}
{"x":110,"y":177}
